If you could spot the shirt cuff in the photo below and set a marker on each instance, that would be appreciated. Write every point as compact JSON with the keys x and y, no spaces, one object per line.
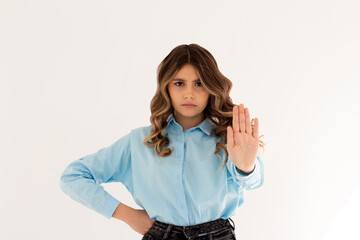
{"x":250,"y":180}
{"x":109,"y":207}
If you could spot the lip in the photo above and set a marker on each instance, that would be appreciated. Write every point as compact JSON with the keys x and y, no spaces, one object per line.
{"x":188,"y":105}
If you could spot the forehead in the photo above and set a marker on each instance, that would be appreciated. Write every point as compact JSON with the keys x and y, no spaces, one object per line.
{"x":187,"y":73}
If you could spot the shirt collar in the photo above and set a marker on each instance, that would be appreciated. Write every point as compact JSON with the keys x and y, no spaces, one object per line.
{"x":206,"y":125}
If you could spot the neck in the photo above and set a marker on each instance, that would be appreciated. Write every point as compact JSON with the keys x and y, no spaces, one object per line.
{"x":189,"y":122}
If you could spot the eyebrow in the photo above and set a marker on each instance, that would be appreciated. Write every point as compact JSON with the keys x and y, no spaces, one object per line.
{"x":180,"y":79}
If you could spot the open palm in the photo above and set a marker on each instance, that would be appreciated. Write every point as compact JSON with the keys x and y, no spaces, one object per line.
{"x":242,"y":139}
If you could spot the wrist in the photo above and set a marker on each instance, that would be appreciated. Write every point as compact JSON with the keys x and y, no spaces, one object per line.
{"x":246,"y":170}
{"x":123,"y":212}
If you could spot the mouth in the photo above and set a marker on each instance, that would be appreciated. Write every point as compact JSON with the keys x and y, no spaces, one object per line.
{"x":188,"y":105}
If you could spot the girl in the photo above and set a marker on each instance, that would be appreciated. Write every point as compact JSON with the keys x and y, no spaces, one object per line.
{"x":188,"y":169}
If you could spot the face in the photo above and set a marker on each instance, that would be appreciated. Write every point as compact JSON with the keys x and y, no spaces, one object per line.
{"x":186,"y":88}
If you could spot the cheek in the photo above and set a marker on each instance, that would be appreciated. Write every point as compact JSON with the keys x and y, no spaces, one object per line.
{"x":173,"y":94}
{"x":170,"y":91}
{"x":206,"y":99}
{"x":205,"y":95}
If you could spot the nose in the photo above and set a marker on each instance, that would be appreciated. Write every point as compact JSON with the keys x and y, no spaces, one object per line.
{"x":189,"y":93}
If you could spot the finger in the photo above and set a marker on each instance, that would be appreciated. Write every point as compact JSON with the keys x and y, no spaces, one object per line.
{"x":256,"y":128}
{"x":230,"y":137}
{"x":247,"y":121}
{"x":241,"y":118}
{"x":236,"y":118}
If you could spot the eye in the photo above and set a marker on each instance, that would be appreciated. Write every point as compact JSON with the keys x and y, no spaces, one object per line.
{"x":177,"y":82}
{"x":199,"y":83}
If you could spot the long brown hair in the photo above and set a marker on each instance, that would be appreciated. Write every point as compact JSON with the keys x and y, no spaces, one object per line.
{"x":219,"y":107}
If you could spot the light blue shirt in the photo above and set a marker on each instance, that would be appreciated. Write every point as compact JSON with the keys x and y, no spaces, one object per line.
{"x":182,"y":189}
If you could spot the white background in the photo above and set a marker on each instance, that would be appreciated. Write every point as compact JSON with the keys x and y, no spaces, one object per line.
{"x":78,"y":75}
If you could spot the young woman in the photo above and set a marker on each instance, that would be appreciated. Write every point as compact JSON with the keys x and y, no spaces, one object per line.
{"x":188,"y":169}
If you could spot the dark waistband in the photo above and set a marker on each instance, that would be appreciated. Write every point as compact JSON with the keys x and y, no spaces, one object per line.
{"x":197,"y":228}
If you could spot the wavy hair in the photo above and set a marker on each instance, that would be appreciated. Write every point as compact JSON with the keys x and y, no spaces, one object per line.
{"x":219,"y":107}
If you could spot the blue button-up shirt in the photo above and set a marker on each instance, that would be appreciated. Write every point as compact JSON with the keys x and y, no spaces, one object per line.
{"x":182,"y":189}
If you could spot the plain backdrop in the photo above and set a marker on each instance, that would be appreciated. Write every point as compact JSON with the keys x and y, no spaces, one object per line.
{"x":78,"y":75}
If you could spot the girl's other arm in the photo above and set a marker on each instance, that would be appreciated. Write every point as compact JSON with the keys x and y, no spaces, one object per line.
{"x":81,"y":179}
{"x":137,"y":219}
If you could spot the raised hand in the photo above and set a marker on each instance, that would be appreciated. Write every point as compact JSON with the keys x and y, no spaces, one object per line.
{"x":242,"y":139}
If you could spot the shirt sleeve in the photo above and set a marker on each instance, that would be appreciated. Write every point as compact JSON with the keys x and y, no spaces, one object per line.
{"x":81,"y":179}
{"x":251,"y":180}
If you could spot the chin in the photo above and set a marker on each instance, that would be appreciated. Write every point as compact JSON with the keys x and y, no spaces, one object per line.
{"x":188,"y":113}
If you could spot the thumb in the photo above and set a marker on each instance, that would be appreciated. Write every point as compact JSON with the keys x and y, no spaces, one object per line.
{"x":230,"y":137}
